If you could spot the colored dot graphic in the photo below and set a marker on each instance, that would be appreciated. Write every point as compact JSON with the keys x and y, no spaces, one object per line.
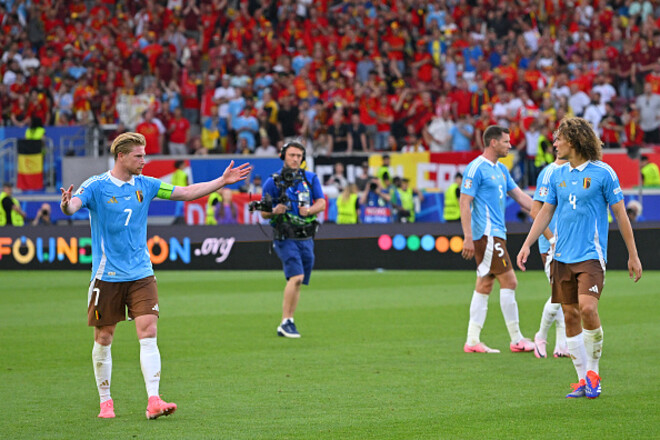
{"x":427,"y":243}
{"x":413,"y":242}
{"x":385,"y":242}
{"x":399,"y":242}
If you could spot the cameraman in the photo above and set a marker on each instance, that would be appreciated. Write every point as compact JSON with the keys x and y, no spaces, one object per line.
{"x":297,"y":198}
{"x":43,"y":216}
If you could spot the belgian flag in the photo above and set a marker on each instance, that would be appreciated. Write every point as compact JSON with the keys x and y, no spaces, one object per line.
{"x":30,"y":164}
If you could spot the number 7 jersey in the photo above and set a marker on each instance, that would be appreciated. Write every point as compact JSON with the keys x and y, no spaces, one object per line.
{"x":489,"y":184}
{"x":581,"y":196}
{"x":118,"y":218}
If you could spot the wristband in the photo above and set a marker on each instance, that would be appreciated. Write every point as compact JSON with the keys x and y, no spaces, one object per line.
{"x":553,"y":240}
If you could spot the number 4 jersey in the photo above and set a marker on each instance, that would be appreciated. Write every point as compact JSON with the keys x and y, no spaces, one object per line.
{"x":489,"y":184}
{"x":118,"y":218}
{"x":582,"y":196}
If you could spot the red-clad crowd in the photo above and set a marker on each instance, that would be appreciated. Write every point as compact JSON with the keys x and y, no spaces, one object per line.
{"x":364,"y":75}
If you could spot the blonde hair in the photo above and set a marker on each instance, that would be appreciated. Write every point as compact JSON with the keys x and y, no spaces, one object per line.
{"x":125,"y":142}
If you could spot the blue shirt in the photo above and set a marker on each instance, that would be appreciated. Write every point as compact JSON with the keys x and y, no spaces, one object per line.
{"x":540,"y":195}
{"x":460,"y":142}
{"x":118,"y":219}
{"x":489,"y":184}
{"x":303,"y":192}
{"x":582,"y":196}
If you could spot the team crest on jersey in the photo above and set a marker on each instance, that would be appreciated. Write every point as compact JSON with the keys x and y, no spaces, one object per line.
{"x":543,"y":191}
{"x":468,"y":183}
{"x":140,"y":197}
{"x":586,"y":182}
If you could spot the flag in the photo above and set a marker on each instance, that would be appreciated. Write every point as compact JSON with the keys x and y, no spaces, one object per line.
{"x":30,"y":165}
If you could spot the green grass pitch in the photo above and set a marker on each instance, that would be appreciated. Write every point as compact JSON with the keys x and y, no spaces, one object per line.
{"x":380,"y":358}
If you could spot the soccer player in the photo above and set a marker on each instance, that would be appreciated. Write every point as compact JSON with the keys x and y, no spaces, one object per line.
{"x":551,"y":312}
{"x":580,"y":192}
{"x":122,"y":275}
{"x":486,"y":183}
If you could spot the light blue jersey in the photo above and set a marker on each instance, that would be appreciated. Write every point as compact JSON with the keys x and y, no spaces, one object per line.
{"x":118,"y":218}
{"x":540,"y":195}
{"x":489,"y":184}
{"x":582,"y":196}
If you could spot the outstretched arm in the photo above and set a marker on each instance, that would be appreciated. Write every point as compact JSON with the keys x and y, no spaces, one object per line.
{"x":68,"y":205}
{"x":634,"y":264}
{"x":197,"y":190}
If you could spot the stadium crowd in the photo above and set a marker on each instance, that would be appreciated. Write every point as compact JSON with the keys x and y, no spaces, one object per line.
{"x":230,"y":76}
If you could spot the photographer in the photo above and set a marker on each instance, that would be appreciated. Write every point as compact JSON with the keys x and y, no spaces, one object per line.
{"x":43,"y":216}
{"x":291,"y":200}
{"x":376,"y":202}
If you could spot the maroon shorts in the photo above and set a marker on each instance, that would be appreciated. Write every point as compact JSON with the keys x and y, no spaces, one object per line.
{"x":492,"y":256}
{"x":569,"y":281}
{"x":107,"y":302}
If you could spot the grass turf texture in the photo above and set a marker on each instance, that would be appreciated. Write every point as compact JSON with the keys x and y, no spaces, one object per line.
{"x":380,"y":358}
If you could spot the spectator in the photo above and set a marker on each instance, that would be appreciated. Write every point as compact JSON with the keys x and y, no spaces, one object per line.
{"x":357,"y":135}
{"x":256,"y":186}
{"x":648,"y":106}
{"x":338,"y":134}
{"x":266,"y":148}
{"x":461,"y":134}
{"x":179,"y":132}
{"x":246,"y":127}
{"x":152,"y":130}
{"x":362,"y":177}
{"x":633,"y":210}
{"x":578,"y":100}
{"x":384,"y":119}
{"x":337,"y":180}
{"x":226,"y":211}
{"x":611,"y":128}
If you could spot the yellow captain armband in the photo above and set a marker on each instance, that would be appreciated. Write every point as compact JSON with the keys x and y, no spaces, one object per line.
{"x":165,"y":191}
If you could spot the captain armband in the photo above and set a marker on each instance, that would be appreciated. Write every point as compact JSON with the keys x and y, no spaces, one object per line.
{"x":165,"y":191}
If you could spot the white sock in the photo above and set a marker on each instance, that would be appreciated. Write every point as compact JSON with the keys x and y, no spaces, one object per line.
{"x":150,"y":363}
{"x":478,"y":310}
{"x":593,"y":344}
{"x":578,"y":354}
{"x":510,"y":312}
{"x":102,"y":359}
{"x":560,"y":328}
{"x":547,"y":318}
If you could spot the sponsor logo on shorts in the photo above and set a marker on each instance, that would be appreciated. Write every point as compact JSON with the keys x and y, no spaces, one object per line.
{"x":155,"y":308}
{"x":593,"y":289}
